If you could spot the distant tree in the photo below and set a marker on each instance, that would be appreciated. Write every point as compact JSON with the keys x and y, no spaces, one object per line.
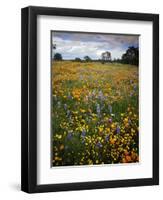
{"x":131,"y":56}
{"x":77,"y":59}
{"x":87,"y":58}
{"x":106,"y":57}
{"x":117,"y":60}
{"x":114,"y":60}
{"x":57,"y":56}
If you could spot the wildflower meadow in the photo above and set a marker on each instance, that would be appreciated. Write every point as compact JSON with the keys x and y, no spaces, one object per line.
{"x":95,"y":113}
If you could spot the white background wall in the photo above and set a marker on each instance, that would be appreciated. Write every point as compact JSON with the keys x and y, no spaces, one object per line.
{"x":10,"y":85}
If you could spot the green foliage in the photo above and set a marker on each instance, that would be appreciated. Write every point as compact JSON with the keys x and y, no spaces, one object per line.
{"x":77,"y":59}
{"x":131,"y":56}
{"x":87,"y":58}
{"x":57,"y":56}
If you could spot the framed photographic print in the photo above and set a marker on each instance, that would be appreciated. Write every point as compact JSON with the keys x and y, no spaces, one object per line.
{"x":90,"y":99}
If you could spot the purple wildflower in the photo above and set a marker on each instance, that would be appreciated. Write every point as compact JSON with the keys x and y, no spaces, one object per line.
{"x":110,"y":120}
{"x":118,"y":130}
{"x":83,"y":141}
{"x":83,"y":134}
{"x":68,"y":113}
{"x":131,"y":94}
{"x":98,"y":109}
{"x":65,"y":106}
{"x":81,"y":77}
{"x":99,"y":144}
{"x":135,"y":87}
{"x":69,"y":136}
{"x":100,"y":95}
{"x":129,"y":121}
{"x":107,"y":138}
{"x":131,"y":81}
{"x":69,"y":96}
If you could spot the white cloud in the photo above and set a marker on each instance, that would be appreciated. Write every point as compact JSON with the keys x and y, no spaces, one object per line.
{"x":72,"y":45}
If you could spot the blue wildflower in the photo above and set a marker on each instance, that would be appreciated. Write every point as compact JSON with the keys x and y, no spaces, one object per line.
{"x":135,"y":87}
{"x":107,"y":138}
{"x":69,"y":96}
{"x":118,"y":130}
{"x":68,"y":113}
{"x":81,"y":77}
{"x":129,"y":121}
{"x":83,"y":141}
{"x":100,"y":95}
{"x":65,"y":106}
{"x":99,"y":144}
{"x":83,"y":134}
{"x":110,"y":108}
{"x":131,"y":94}
{"x":98,"y":109}
{"x":69,"y":136}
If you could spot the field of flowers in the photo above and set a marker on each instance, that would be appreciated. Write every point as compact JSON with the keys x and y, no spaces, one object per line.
{"x":95,"y":113}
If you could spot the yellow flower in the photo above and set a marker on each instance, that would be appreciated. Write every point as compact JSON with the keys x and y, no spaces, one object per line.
{"x":125,"y":120}
{"x":57,"y":158}
{"x":61,"y":147}
{"x":82,"y":110}
{"x":113,"y":125}
{"x":58,"y":136}
{"x":90,"y":162}
{"x":75,"y":112}
{"x":112,"y":140}
{"x":100,"y":129}
{"x":132,"y":130}
{"x":94,"y":118}
{"x":108,"y":130}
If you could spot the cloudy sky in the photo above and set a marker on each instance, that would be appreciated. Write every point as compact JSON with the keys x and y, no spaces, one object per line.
{"x":72,"y":45}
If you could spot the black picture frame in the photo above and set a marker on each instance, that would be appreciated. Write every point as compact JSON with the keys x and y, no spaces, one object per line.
{"x":29,"y":99}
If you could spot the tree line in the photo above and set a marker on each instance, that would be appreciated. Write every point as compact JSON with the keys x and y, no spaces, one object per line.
{"x":131,"y":56}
